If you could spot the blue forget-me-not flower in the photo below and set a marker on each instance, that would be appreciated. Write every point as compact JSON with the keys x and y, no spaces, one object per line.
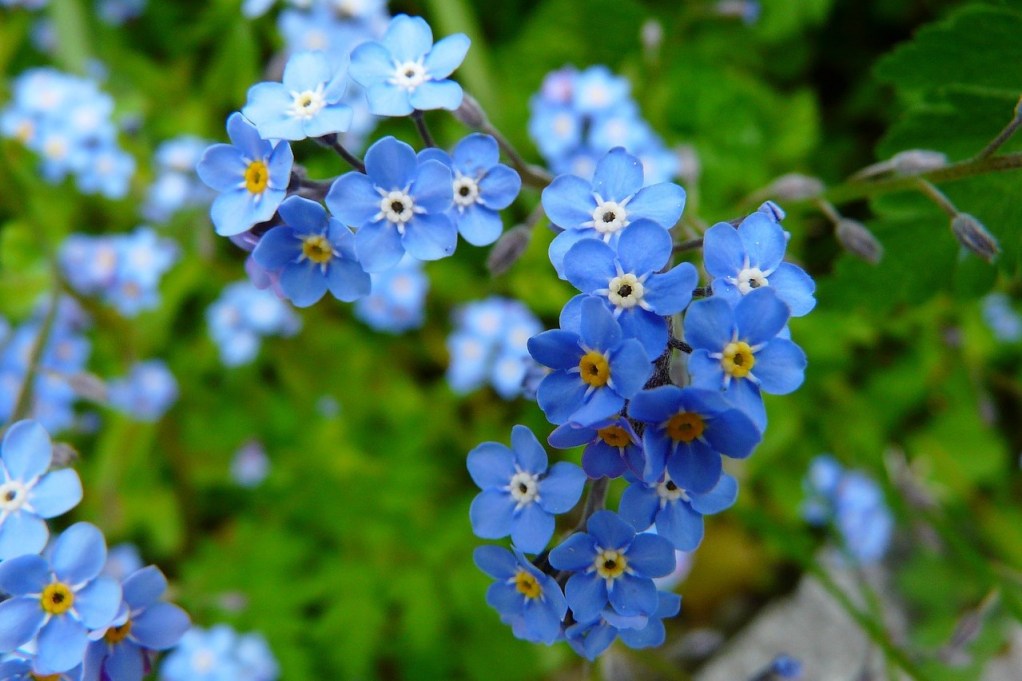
{"x":526,"y":598}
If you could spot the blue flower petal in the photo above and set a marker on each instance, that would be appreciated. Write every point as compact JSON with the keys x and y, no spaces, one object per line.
{"x":233,"y":212}
{"x":609,"y":531}
{"x":222,"y":167}
{"x":680,"y":525}
{"x":144,"y":587}
{"x":720,"y":498}
{"x":723,"y":251}
{"x":447,"y":55}
{"x":559,"y":395}
{"x":61,"y":645}
{"x":499,"y":187}
{"x":353,"y":200}
{"x":658,"y":447}
{"x":745,"y":395}
{"x":528,"y":452}
{"x":671,"y":292}
{"x":599,"y":406}
{"x":430,"y":236}
{"x":709,"y":324}
{"x":568,"y":202}
{"x":656,"y":405}
{"x":589,"y":265}
{"x":561,"y":489}
{"x":79,"y":554}
{"x":97,"y":604}
{"x":22,"y":532}
{"x":780,"y":367}
{"x":562,"y":243}
{"x":570,"y":435}
{"x":651,"y":556}
{"x":347,"y":281}
{"x":304,"y":215}
{"x":491,"y":464}
{"x":705,"y":372}
{"x":574,"y":553}
{"x":305,"y":71}
{"x":161,"y":626}
{"x":277,"y":247}
{"x":379,"y":246}
{"x":125,"y":662}
{"x":696,"y":468}
{"x":433,"y":189}
{"x":246,"y":138}
{"x":733,"y":434}
{"x":24,"y":574}
{"x":639,"y":505}
{"x":388,"y":100}
{"x":478,"y":225}
{"x":495,"y":561}
{"x":391,"y":164}
{"x":543,"y":618}
{"x":371,"y":63}
{"x":532,"y":528}
{"x":600,"y":460}
{"x":504,"y":598}
{"x":586,"y":595}
{"x":476,"y":154}
{"x":407,"y":38}
{"x":618,"y":175}
{"x":26,"y":450}
{"x":662,"y":203}
{"x":303,"y":283}
{"x":491,"y":514}
{"x":20,"y":619}
{"x":794,"y":287}
{"x":557,"y":349}
{"x":632,"y":595}
{"x":644,"y":247}
{"x":599,"y":329}
{"x":760,"y":316}
{"x":763,"y":240}
{"x":444,"y":94}
{"x":630,"y":368}
{"x":648,"y":328}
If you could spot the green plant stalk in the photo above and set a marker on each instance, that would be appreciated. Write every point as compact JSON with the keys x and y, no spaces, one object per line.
{"x":456,"y":16}
{"x":72,"y":44}
{"x":23,"y":406}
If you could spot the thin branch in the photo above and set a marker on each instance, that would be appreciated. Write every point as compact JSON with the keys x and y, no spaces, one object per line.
{"x":334,"y":142}
{"x":420,"y":125}
{"x":23,"y":406}
{"x":1004,"y":135}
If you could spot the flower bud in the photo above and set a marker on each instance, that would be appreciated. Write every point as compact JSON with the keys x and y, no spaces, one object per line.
{"x":915,"y":161}
{"x":855,"y":238}
{"x":508,"y":249}
{"x":652,"y":35}
{"x":795,"y":187}
{"x":89,"y":386}
{"x":974,"y":236}
{"x":64,"y":455}
{"x":470,"y":113}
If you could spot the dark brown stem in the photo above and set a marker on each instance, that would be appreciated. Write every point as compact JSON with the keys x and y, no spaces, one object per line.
{"x":420,"y":125}
{"x":334,"y":142}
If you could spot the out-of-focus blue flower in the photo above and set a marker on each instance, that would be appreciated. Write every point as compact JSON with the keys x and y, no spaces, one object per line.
{"x":398,"y":205}
{"x":595,"y":368}
{"x":118,"y":12}
{"x":56,"y":603}
{"x":251,"y":175}
{"x":405,"y":71}
{"x":631,"y":283}
{"x":750,"y":257}
{"x":27,"y":4}
{"x":122,"y":560}
{"x":606,"y":206}
{"x":29,"y":491}
{"x":146,"y":393}
{"x":145,"y":625}
{"x":519,"y":495}
{"x":242,"y":315}
{"x":1001,"y":317}
{"x":526,"y":598}
{"x":397,"y":300}
{"x":250,"y":465}
{"x":18,"y":668}
{"x":612,"y":566}
{"x":676,"y":513}
{"x":611,"y":447}
{"x":687,"y":430}
{"x":313,"y":253}
{"x":854,"y":503}
{"x":490,"y":344}
{"x":482,"y":187}
{"x":738,"y":350}
{"x":220,"y":654}
{"x":177,"y":186}
{"x":306,"y":104}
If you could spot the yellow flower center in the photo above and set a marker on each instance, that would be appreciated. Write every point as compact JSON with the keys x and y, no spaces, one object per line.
{"x":45,"y":677}
{"x":611,"y":564}
{"x":595,"y":369}
{"x":257,"y":176}
{"x":117,"y":634}
{"x":57,"y":598}
{"x":615,"y":436}
{"x":317,"y":249}
{"x":738,"y":359}
{"x":527,"y":585}
{"x":685,"y":426}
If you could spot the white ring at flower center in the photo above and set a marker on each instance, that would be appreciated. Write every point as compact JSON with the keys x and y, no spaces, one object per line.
{"x":751,"y":278}
{"x":13,"y":495}
{"x":305,"y":105}
{"x":409,"y":75}
{"x":609,"y":217}
{"x":666,"y":493}
{"x":466,"y":191}
{"x":397,"y":207}
{"x":631,"y":295}
{"x":524,"y":488}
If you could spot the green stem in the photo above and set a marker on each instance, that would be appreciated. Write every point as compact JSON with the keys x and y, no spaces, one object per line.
{"x":23,"y":406}
{"x":532,"y":175}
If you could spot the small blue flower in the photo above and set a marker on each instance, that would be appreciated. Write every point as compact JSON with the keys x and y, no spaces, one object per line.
{"x":595,"y":367}
{"x":612,"y":565}
{"x":220,"y":654}
{"x":306,"y":104}
{"x":242,"y":315}
{"x":20,"y":669}
{"x":146,"y":624}
{"x":398,"y":298}
{"x":654,"y":633}
{"x":677,"y":513}
{"x":609,"y":204}
{"x":526,"y":598}
{"x":399,"y":205}
{"x":56,"y":604}
{"x":520,"y":497}
{"x":482,"y":186}
{"x":146,"y":393}
{"x":28,"y":493}
{"x":750,"y":257}
{"x":597,"y":89}
{"x":251,"y":175}
{"x":687,"y":431}
{"x":405,"y":71}
{"x":737,"y":350}
{"x":314,"y":253}
{"x":630,"y":282}
{"x":611,"y":447}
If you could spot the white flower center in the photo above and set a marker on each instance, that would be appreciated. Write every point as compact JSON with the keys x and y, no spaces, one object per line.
{"x":563,"y":125}
{"x":13,"y":495}
{"x":751,"y":278}
{"x":625,"y":291}
{"x":307,"y":104}
{"x":524,"y":488}
{"x":203,"y":661}
{"x":669,"y":491}
{"x":609,"y":217}
{"x":466,"y":191}
{"x":409,"y":75}
{"x":397,"y":207}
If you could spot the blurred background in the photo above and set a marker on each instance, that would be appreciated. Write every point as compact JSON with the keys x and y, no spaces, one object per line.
{"x":314,"y":489}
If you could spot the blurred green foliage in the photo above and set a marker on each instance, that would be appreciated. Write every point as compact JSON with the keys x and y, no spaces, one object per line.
{"x":354,"y":558}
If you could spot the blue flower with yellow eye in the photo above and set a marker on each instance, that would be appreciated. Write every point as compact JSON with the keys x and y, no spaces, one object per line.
{"x":313,"y":254}
{"x":251,"y":175}
{"x":519,"y":495}
{"x":526,"y":598}
{"x":612,"y":446}
{"x":405,"y":71}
